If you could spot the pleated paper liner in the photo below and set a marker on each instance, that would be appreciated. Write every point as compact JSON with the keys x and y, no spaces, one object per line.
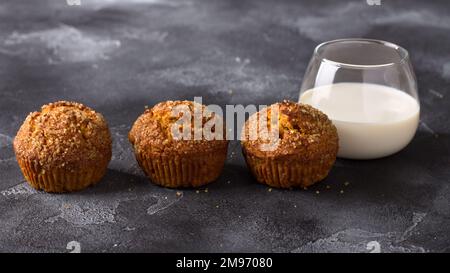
{"x":183,"y":171}
{"x":287,"y":173}
{"x":60,"y":180}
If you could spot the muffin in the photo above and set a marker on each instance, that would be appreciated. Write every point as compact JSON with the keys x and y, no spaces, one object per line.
{"x":300,"y":154}
{"x":176,"y":161}
{"x":63,"y":148}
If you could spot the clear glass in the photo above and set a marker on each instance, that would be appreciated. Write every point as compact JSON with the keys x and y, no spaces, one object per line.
{"x":369,"y":90}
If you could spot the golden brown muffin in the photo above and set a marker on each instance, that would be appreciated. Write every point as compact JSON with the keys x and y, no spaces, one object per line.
{"x":170,"y":161}
{"x":304,"y":149}
{"x":65,"y":147}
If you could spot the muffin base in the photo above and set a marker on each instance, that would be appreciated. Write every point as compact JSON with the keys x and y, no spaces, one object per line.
{"x":288,"y":173}
{"x":60,"y":180}
{"x":183,"y":171}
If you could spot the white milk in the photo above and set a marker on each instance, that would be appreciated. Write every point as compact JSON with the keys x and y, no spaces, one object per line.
{"x":372,"y":120}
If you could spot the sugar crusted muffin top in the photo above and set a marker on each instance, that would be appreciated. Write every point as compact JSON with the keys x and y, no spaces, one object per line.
{"x":303,"y":132}
{"x":65,"y":135}
{"x":152,"y":131}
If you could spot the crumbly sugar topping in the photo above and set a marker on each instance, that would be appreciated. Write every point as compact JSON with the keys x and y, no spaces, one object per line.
{"x":64,"y":135}
{"x":303,"y":130}
{"x":152,"y":131}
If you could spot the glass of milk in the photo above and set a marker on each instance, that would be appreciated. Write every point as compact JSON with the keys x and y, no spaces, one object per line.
{"x":369,"y":91}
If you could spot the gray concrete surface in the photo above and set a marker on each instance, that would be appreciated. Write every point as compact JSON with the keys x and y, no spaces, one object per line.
{"x":118,"y":56}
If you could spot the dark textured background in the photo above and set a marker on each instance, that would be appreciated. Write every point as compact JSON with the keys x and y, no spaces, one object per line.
{"x":118,"y":56}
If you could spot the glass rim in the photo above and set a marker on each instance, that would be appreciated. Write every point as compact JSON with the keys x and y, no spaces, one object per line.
{"x":404,"y":55}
